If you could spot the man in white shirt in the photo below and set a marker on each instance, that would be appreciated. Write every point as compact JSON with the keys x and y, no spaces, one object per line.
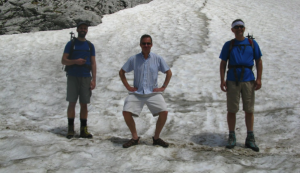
{"x":145,"y":90}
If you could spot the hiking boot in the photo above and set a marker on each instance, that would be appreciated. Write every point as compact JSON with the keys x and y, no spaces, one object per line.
{"x":84,"y":133}
{"x":71,"y":132}
{"x":250,"y":143}
{"x":231,"y":141}
{"x":131,"y":142}
{"x":160,"y":142}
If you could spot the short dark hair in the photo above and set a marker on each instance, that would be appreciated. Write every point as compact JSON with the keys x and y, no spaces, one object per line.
{"x":237,"y":20}
{"x":145,"y":36}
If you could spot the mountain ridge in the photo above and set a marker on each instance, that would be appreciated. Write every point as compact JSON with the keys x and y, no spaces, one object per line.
{"x":21,"y":16}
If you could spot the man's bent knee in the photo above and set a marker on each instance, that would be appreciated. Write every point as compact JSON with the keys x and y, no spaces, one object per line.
{"x":125,"y":113}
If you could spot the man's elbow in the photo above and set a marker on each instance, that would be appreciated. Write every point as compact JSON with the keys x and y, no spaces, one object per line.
{"x":169,"y":73}
{"x":223,"y":63}
{"x":259,"y":61}
{"x":63,"y":62}
{"x":121,"y":73}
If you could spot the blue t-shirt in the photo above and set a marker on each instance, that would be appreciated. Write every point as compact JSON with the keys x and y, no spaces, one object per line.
{"x":145,"y":71}
{"x":81,"y":50}
{"x":241,"y":55}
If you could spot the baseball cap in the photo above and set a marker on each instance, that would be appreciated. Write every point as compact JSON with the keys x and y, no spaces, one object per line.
{"x":83,"y":23}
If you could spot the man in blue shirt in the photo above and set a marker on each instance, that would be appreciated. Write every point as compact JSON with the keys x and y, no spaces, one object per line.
{"x":145,"y":90}
{"x":240,"y":52}
{"x":80,"y":82}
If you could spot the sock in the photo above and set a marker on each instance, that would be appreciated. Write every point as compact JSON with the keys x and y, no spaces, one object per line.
{"x":232,"y":132}
{"x":250,"y":133}
{"x":71,"y":121}
{"x":83,"y":122}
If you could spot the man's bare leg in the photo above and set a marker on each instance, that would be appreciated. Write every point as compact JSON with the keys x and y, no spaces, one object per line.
{"x":131,"y":124}
{"x":160,"y":123}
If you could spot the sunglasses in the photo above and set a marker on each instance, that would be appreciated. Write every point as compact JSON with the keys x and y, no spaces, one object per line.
{"x":146,"y":44}
{"x":238,"y":26}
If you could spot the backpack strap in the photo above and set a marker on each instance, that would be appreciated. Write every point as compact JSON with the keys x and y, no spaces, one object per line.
{"x":251,"y":42}
{"x":72,"y":48}
{"x":230,"y":48}
{"x":252,"y":45}
{"x":90,"y":46}
{"x":67,"y":67}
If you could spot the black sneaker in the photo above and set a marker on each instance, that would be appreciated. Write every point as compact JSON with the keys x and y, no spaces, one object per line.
{"x":71,"y":132}
{"x":231,"y":141}
{"x":250,"y":143}
{"x":160,"y":142}
{"x":131,"y":142}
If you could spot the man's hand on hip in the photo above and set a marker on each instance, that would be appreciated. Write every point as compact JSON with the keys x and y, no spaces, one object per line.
{"x":159,"y":89}
{"x":132,"y":89}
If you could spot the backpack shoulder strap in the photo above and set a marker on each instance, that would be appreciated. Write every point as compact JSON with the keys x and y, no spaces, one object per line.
{"x":230,"y":48}
{"x":90,"y":46}
{"x":252,"y":45}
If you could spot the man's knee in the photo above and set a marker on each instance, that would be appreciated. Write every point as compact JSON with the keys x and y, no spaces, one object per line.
{"x":164,"y":113}
{"x":249,"y":114}
{"x":126,"y":114}
{"x":231,"y":115}
{"x":72,"y":105}
{"x":83,"y":106}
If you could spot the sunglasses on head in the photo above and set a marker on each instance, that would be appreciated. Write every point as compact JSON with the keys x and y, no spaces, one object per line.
{"x":146,"y":43}
{"x":238,"y":26}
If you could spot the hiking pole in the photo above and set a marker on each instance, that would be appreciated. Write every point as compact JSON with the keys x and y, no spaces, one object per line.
{"x":250,"y":36}
{"x":72,"y":35}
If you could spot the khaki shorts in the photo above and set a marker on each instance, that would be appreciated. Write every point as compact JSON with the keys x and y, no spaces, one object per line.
{"x":79,"y":86}
{"x":246,"y":89}
{"x":134,"y":103}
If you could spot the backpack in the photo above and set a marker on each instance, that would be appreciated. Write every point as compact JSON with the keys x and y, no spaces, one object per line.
{"x":67,"y":67}
{"x":250,"y":39}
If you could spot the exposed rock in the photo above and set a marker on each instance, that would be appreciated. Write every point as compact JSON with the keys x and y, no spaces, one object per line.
{"x":19,"y":16}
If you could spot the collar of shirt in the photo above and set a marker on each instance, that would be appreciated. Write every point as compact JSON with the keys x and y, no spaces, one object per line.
{"x":149,"y":56}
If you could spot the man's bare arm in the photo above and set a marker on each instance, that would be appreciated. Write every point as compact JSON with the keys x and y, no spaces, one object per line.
{"x":166,"y":82}
{"x":66,"y":61}
{"x":124,"y":81}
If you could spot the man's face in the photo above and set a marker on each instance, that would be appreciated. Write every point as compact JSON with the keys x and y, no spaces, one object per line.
{"x":238,"y":30}
{"x":82,"y":31}
{"x":146,"y":44}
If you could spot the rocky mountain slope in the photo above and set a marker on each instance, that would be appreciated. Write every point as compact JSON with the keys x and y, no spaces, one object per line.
{"x":19,"y":16}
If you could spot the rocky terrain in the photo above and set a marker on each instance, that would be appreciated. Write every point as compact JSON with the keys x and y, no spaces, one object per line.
{"x":19,"y":16}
